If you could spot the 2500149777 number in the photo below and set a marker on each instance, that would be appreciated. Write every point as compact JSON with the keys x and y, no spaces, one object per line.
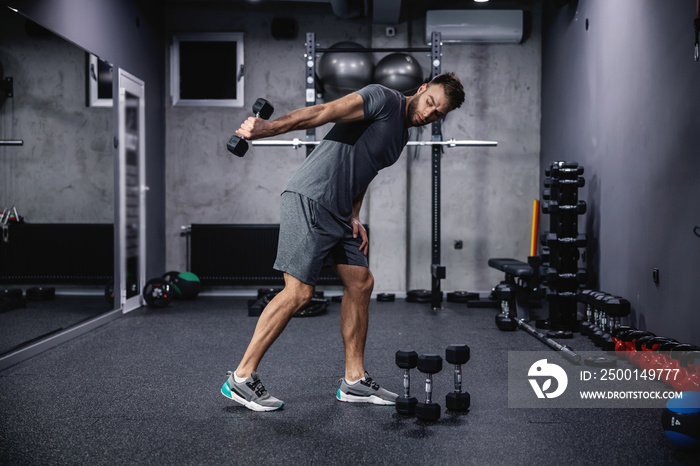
{"x":636,"y":374}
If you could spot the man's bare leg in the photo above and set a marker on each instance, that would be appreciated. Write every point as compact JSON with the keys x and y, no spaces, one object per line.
{"x":354,"y":316}
{"x":273,"y":320}
{"x":354,"y":319}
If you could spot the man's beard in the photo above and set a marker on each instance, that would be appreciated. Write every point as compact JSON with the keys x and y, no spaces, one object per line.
{"x":411,"y":113}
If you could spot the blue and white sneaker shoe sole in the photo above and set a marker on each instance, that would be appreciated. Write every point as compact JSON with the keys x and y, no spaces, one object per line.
{"x":226,"y":391}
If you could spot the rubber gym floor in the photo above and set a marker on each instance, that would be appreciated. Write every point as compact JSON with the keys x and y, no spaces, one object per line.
{"x":144,"y":389}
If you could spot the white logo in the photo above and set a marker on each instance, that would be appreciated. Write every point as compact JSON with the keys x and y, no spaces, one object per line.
{"x":547,"y":371}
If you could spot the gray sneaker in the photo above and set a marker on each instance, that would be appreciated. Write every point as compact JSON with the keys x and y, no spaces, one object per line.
{"x":365,"y":391}
{"x":250,"y":393}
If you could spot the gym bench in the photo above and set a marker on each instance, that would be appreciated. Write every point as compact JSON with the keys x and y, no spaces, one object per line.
{"x":524,"y":279}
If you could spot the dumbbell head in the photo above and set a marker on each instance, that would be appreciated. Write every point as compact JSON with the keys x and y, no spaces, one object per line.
{"x":616,"y":307}
{"x":503,"y":292}
{"x":429,"y":363}
{"x":428,"y":411}
{"x":237,"y":146}
{"x":406,"y":359}
{"x":263,"y":109}
{"x":506,"y":323}
{"x":457,"y":354}
{"x":458,"y":401}
{"x":406,"y":405}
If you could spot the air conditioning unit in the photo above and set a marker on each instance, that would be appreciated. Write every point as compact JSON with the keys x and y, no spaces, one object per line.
{"x":475,"y":26}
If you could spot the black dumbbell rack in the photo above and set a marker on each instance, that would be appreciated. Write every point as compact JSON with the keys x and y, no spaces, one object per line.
{"x":562,"y":244}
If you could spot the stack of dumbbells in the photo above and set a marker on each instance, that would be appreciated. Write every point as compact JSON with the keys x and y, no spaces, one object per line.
{"x":561,"y":244}
{"x":662,"y":358}
{"x":602,"y":321}
{"x":431,"y":364}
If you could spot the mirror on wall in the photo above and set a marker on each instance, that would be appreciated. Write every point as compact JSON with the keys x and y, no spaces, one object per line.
{"x":56,"y":184}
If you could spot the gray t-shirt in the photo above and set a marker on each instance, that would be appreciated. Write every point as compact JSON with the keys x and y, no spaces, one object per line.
{"x":350,"y":156}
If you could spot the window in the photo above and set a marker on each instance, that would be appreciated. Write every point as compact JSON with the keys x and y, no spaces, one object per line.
{"x":99,"y":77}
{"x":207,"y":69}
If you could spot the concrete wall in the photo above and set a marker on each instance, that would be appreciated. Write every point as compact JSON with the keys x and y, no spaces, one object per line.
{"x":487,"y":192}
{"x":64,"y":172}
{"x":620,"y":96}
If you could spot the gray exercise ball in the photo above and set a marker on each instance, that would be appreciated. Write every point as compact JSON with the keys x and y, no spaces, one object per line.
{"x":399,"y":71}
{"x":344,"y":72}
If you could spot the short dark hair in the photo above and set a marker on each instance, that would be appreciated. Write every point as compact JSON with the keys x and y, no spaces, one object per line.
{"x":454,"y":91}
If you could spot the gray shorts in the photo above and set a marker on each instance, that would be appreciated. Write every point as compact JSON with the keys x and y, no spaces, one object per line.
{"x":312,"y":238}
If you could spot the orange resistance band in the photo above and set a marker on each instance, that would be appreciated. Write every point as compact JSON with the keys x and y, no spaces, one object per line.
{"x":535,"y":224}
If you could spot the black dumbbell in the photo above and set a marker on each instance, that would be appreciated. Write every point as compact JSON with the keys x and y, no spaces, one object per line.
{"x":406,"y":360}
{"x":588,"y":297}
{"x":429,"y":364}
{"x":238,"y":145}
{"x":579,"y":182}
{"x":457,"y":400}
{"x":554,"y":207}
{"x":554,"y":240}
{"x":504,"y":320}
{"x":559,"y":169}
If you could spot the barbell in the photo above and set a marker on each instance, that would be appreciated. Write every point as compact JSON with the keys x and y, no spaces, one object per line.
{"x":296,"y":143}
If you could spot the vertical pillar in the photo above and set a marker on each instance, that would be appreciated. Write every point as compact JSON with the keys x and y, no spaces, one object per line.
{"x":310,"y":83}
{"x":438,"y":272}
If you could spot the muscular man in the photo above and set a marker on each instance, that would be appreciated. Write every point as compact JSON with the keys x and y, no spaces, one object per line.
{"x":320,"y":223}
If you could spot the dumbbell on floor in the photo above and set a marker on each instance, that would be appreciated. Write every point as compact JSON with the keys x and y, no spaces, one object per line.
{"x":457,"y":400}
{"x":505,"y":294}
{"x":261,"y":109}
{"x":429,"y":364}
{"x":406,"y":360}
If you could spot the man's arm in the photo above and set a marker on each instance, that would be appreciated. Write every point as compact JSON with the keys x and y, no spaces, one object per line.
{"x":344,"y":110}
{"x":357,"y":227}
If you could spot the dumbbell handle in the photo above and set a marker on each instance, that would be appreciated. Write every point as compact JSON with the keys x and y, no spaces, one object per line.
{"x":407,"y":383}
{"x":458,"y":378}
{"x":257,"y":115}
{"x":429,"y":389}
{"x":505,"y":308}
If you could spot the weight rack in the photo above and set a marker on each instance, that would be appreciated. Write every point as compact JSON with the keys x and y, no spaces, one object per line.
{"x":560,"y":253}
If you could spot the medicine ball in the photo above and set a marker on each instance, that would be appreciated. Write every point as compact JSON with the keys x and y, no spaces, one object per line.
{"x":399,"y":71}
{"x":681,"y":421}
{"x":344,"y":72}
{"x":187,"y":285}
{"x":157,"y":293}
{"x":170,"y":277}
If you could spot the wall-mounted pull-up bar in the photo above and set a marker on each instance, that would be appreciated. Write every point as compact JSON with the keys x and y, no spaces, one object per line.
{"x":296,"y":143}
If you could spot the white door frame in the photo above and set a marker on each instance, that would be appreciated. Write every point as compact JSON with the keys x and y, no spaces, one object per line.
{"x":128,"y":141}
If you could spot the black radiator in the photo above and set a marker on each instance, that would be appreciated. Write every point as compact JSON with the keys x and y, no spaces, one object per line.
{"x":228,"y":254}
{"x":61,"y":253}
